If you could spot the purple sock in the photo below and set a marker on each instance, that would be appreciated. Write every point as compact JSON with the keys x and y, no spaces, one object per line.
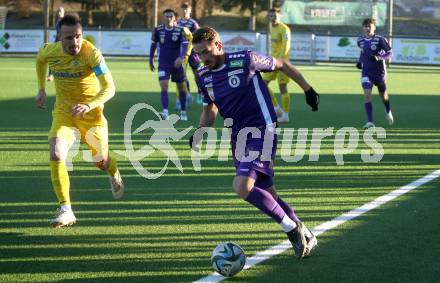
{"x":164,"y":99}
{"x":288,"y":209}
{"x":264,"y":201}
{"x":182,"y":98}
{"x":369,"y":110}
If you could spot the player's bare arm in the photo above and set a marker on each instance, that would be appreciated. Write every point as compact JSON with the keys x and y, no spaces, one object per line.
{"x":41,"y":68}
{"x":312,"y":98}
{"x":292,"y":72}
{"x":208,"y":115}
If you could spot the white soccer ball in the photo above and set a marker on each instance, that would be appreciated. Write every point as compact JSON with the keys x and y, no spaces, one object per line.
{"x":228,"y":259}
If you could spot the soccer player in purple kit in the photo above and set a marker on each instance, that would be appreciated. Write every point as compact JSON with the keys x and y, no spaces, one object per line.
{"x":374,"y":51}
{"x":193,"y":59}
{"x":232,"y":85}
{"x":173,"y":46}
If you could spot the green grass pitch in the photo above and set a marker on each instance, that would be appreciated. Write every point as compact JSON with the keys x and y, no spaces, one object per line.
{"x":165,"y":229}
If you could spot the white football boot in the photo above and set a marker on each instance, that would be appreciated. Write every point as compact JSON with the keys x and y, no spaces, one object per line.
{"x":183,"y":116}
{"x":164,"y":114}
{"x":312,"y":241}
{"x":368,"y":125}
{"x":117,"y":185}
{"x":63,"y":219}
{"x":278,"y":111}
{"x":284,"y":118}
{"x":390,"y":118}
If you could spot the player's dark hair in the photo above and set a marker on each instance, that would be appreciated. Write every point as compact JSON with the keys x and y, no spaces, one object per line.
{"x":274,"y":10}
{"x":368,"y":22}
{"x":205,"y":34}
{"x":71,"y":19}
{"x":185,"y":5}
{"x":170,"y":11}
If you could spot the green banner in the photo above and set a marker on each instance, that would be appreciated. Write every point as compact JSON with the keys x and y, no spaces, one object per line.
{"x":332,"y":13}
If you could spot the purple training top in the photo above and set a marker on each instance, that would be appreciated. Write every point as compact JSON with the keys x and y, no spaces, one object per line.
{"x":172,"y":44}
{"x":238,"y":90}
{"x":190,"y":24}
{"x":373,"y":46}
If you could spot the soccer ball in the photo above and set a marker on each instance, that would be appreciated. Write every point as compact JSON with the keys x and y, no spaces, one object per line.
{"x":228,"y":259}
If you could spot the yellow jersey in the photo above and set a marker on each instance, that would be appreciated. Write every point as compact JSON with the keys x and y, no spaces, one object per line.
{"x":280,"y":40}
{"x":188,"y":35}
{"x":75,"y":76}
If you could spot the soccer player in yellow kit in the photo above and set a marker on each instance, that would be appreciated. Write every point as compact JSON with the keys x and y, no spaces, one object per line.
{"x":83,"y":84}
{"x":280,"y":41}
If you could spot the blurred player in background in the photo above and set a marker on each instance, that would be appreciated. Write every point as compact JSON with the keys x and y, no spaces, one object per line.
{"x":232,"y":85}
{"x":192,"y":59}
{"x":173,"y":47}
{"x":59,"y":15}
{"x":374,"y":51}
{"x":83,"y":84}
{"x":280,"y":42}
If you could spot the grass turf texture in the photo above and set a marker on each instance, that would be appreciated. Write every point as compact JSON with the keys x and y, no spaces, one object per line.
{"x":165,"y":229}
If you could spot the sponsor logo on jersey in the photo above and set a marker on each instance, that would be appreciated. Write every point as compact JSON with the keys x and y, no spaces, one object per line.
{"x":207,"y":79}
{"x":236,"y":63}
{"x":67,"y":74}
{"x":241,"y":55}
{"x":261,"y":60}
{"x":235,"y":72}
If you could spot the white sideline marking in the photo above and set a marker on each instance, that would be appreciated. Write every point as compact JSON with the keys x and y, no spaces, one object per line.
{"x":277,"y":249}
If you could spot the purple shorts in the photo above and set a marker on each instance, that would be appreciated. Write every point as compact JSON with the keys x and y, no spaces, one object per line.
{"x":177,"y":74}
{"x":368,"y":81}
{"x":254,"y":157}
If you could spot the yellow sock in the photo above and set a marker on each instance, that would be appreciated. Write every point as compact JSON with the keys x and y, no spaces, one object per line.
{"x":60,"y":181}
{"x":285,"y":102}
{"x":113,"y":166}
{"x":273,"y":97}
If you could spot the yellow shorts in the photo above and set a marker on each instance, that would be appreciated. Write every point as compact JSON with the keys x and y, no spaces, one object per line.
{"x":91,"y":129}
{"x":280,"y":76}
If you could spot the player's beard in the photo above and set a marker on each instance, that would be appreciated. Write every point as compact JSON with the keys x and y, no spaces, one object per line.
{"x":74,"y":49}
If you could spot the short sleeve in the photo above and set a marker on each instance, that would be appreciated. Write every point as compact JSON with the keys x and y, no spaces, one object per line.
{"x":206,"y":99}
{"x":261,"y":62}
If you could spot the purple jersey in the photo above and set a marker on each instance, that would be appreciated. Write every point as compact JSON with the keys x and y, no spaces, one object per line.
{"x":373,"y":46}
{"x":170,"y":42}
{"x":190,"y":24}
{"x":238,"y":90}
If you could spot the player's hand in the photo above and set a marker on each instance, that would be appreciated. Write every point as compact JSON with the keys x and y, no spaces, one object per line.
{"x":79,"y":109}
{"x":312,"y":98}
{"x":374,"y":58}
{"x":40,"y":99}
{"x":178,"y":62}
{"x":359,"y":65}
{"x":152,"y":68}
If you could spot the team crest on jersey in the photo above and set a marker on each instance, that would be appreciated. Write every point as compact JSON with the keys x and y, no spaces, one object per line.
{"x":234,"y":81}
{"x":75,"y":62}
{"x":207,"y":79}
{"x":175,"y":37}
{"x":162,"y":38}
{"x":373,"y":47}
